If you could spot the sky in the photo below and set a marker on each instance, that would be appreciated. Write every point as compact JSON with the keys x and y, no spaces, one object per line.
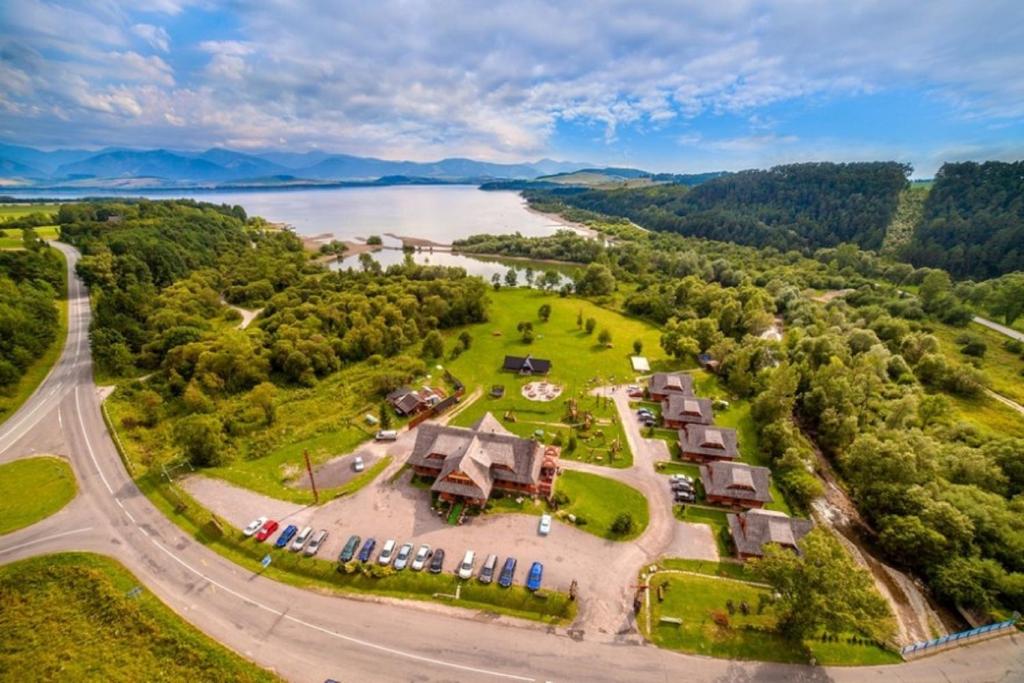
{"x":664,"y":86}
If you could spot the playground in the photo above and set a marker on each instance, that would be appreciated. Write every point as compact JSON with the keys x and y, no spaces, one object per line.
{"x":541,"y":391}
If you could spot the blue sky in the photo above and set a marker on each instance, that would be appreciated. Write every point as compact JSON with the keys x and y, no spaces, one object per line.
{"x":668,"y":86}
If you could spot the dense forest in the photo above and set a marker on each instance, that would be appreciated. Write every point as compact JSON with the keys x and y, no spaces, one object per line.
{"x":800,"y":206}
{"x":30,"y":280}
{"x":973,"y":223}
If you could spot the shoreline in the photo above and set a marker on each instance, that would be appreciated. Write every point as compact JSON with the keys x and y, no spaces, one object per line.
{"x":580,"y":228}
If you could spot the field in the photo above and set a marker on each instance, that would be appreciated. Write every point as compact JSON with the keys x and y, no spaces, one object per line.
{"x":1002,"y":367}
{"x":71,"y":617}
{"x":707,"y":628}
{"x":10,"y":211}
{"x":11,"y":239}
{"x":579,"y":364}
{"x":32,"y":489}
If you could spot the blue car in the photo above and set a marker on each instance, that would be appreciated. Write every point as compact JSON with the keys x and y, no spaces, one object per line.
{"x":508,"y":573}
{"x":367,"y":549}
{"x":286,"y":535}
{"x":536,"y":573}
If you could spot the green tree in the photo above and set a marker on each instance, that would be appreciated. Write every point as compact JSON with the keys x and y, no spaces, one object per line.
{"x":551,"y":279}
{"x":511,"y":277}
{"x":822,"y":590}
{"x":590,"y":325}
{"x":623,"y":524}
{"x":597,"y":280}
{"x":201,"y":439}
{"x":544,"y":312}
{"x":638,"y":347}
{"x":466,"y":338}
{"x":1007,"y":298}
{"x":149,"y":403}
{"x":604,"y":337}
{"x":384,"y":415}
{"x":579,"y":319}
{"x":264,"y":397}
{"x":433,"y":345}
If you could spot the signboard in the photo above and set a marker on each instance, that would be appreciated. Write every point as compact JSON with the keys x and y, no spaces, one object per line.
{"x":265,"y":561}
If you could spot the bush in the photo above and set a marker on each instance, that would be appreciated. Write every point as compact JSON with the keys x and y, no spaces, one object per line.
{"x":623,"y":524}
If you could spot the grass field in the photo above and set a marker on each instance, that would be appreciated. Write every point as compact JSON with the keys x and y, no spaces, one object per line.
{"x":12,"y":239}
{"x":70,"y":617}
{"x":11,"y":211}
{"x":579,"y":363}
{"x":32,"y":489}
{"x":708,"y":628}
{"x":1001,"y":367}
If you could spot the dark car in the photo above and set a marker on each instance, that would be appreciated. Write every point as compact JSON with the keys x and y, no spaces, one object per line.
{"x":349,"y":551}
{"x":535,"y":576}
{"x":437,"y":561}
{"x":680,"y":485}
{"x":508,"y":573}
{"x":286,"y":535}
{"x":367,"y":550}
{"x":685,"y":498}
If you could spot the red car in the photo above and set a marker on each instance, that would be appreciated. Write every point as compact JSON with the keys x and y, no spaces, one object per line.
{"x":266,"y":530}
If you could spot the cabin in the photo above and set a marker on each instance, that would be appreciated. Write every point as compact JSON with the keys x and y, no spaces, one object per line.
{"x":407,"y":401}
{"x":736,"y":484}
{"x":661,"y":385}
{"x":678,"y":411}
{"x":467,"y":464}
{"x":527,"y":366}
{"x":704,"y":443}
{"x":751,"y":531}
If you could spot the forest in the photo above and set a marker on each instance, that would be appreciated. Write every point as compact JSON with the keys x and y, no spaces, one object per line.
{"x":973,"y":224}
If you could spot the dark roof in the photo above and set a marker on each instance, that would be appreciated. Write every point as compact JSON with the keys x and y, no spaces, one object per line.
{"x":671,"y":383}
{"x":537,"y":366}
{"x":679,"y":408}
{"x":736,"y":480}
{"x":714,"y":442}
{"x":485,"y":453}
{"x":398,"y":393}
{"x":751,"y":530}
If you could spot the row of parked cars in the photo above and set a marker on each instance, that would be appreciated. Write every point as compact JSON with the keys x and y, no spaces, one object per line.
{"x":432,"y":559}
{"x":683,"y":490}
{"x":399,"y":557}
{"x":646,"y":417}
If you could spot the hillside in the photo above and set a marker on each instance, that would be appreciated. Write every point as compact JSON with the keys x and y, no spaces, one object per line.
{"x":908,"y":216}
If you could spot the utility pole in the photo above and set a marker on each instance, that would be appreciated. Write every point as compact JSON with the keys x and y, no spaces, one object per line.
{"x":312,"y":481}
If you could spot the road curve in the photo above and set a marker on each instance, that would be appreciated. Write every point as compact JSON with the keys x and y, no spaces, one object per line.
{"x":309,"y":636}
{"x":1002,"y":329}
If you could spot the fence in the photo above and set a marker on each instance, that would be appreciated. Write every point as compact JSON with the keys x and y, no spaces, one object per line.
{"x":954,"y":639}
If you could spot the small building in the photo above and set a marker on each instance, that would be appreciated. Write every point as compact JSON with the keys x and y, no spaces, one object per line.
{"x":468,"y":463}
{"x":407,"y":401}
{"x":665,"y":384}
{"x":751,"y":531}
{"x":678,"y":411}
{"x":703,"y":443}
{"x":708,"y":363}
{"x":527,"y":366}
{"x":736,"y":484}
{"x":639,"y":364}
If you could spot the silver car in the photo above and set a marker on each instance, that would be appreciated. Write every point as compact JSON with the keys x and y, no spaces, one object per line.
{"x":420,"y":561}
{"x":314,"y":544}
{"x":301,"y":539}
{"x":402,"y":558}
{"x":387,"y":553}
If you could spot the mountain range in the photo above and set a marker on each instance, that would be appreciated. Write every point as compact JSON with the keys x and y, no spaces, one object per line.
{"x":27,"y":167}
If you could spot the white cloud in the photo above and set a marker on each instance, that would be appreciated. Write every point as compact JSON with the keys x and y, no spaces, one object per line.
{"x":155,"y":36}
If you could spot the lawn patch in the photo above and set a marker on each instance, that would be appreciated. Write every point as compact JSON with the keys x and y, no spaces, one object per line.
{"x":32,"y":489}
{"x":599,"y":501}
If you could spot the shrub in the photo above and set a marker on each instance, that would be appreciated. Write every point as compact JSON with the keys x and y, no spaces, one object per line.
{"x":623,"y":524}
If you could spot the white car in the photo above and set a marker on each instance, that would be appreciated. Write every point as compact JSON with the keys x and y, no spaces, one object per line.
{"x":387,"y":553}
{"x":301,"y":539}
{"x":314,"y":544}
{"x":544,"y":528}
{"x":420,"y":561}
{"x":254,"y":526}
{"x":466,"y":568}
{"x":358,"y":465}
{"x":402,"y":558}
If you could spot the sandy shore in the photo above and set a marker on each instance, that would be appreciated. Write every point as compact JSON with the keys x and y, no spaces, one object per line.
{"x":417,"y":242}
{"x":581,"y":228}
{"x":312,"y":243}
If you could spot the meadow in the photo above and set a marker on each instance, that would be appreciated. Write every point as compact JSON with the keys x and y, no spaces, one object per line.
{"x":32,"y":489}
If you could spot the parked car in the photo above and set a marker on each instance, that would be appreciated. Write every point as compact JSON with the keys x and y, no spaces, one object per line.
{"x":685,"y":498}
{"x":680,"y":485}
{"x":313,"y":547}
{"x":508,"y":573}
{"x":437,"y":561}
{"x":358,"y":465}
{"x":301,"y":539}
{"x":487,"y":571}
{"x":644,"y":412}
{"x":648,"y":421}
{"x":544,"y":528}
{"x":535,"y":576}
{"x":402,"y":558}
{"x":254,"y":526}
{"x":466,"y":568}
{"x":367,"y":550}
{"x":286,"y":535}
{"x":633,"y":391}
{"x":387,"y":553}
{"x":269,"y":527}
{"x":420,"y":560}
{"x":349,"y":551}
{"x":387,"y":435}
{"x":681,"y":477}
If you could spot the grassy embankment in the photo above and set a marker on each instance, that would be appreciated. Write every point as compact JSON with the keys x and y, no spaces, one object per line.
{"x":74,"y":617}
{"x":909,"y":213}
{"x":32,"y":489}
{"x":579,"y":364}
{"x":707,"y":627}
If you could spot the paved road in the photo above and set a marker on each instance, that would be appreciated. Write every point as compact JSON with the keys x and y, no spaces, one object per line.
{"x":1002,"y":329}
{"x":308,"y":636}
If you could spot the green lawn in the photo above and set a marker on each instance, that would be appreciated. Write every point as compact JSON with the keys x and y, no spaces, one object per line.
{"x":596,"y":499}
{"x":9,"y":211}
{"x":32,"y":489}
{"x":72,"y":617}
{"x":988,"y":415}
{"x":579,"y":363}
{"x":1001,"y":367}
{"x":714,"y":518}
{"x":726,"y":569}
{"x":709,"y":629}
{"x":12,"y":238}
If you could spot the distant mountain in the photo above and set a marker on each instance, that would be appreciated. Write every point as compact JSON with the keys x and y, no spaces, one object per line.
{"x":218,"y":166}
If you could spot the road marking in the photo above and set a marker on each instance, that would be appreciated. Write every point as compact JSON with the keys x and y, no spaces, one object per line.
{"x":335,"y":634}
{"x":44,"y":540}
{"x":85,"y":436}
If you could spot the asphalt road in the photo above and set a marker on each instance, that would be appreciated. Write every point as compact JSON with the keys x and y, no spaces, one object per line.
{"x":308,"y":636}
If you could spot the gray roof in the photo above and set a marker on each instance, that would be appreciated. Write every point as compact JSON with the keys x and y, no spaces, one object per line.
{"x":679,"y":408}
{"x":714,"y":442}
{"x":671,"y":382}
{"x":753,"y":529}
{"x":485,"y":453}
{"x":736,"y":480}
